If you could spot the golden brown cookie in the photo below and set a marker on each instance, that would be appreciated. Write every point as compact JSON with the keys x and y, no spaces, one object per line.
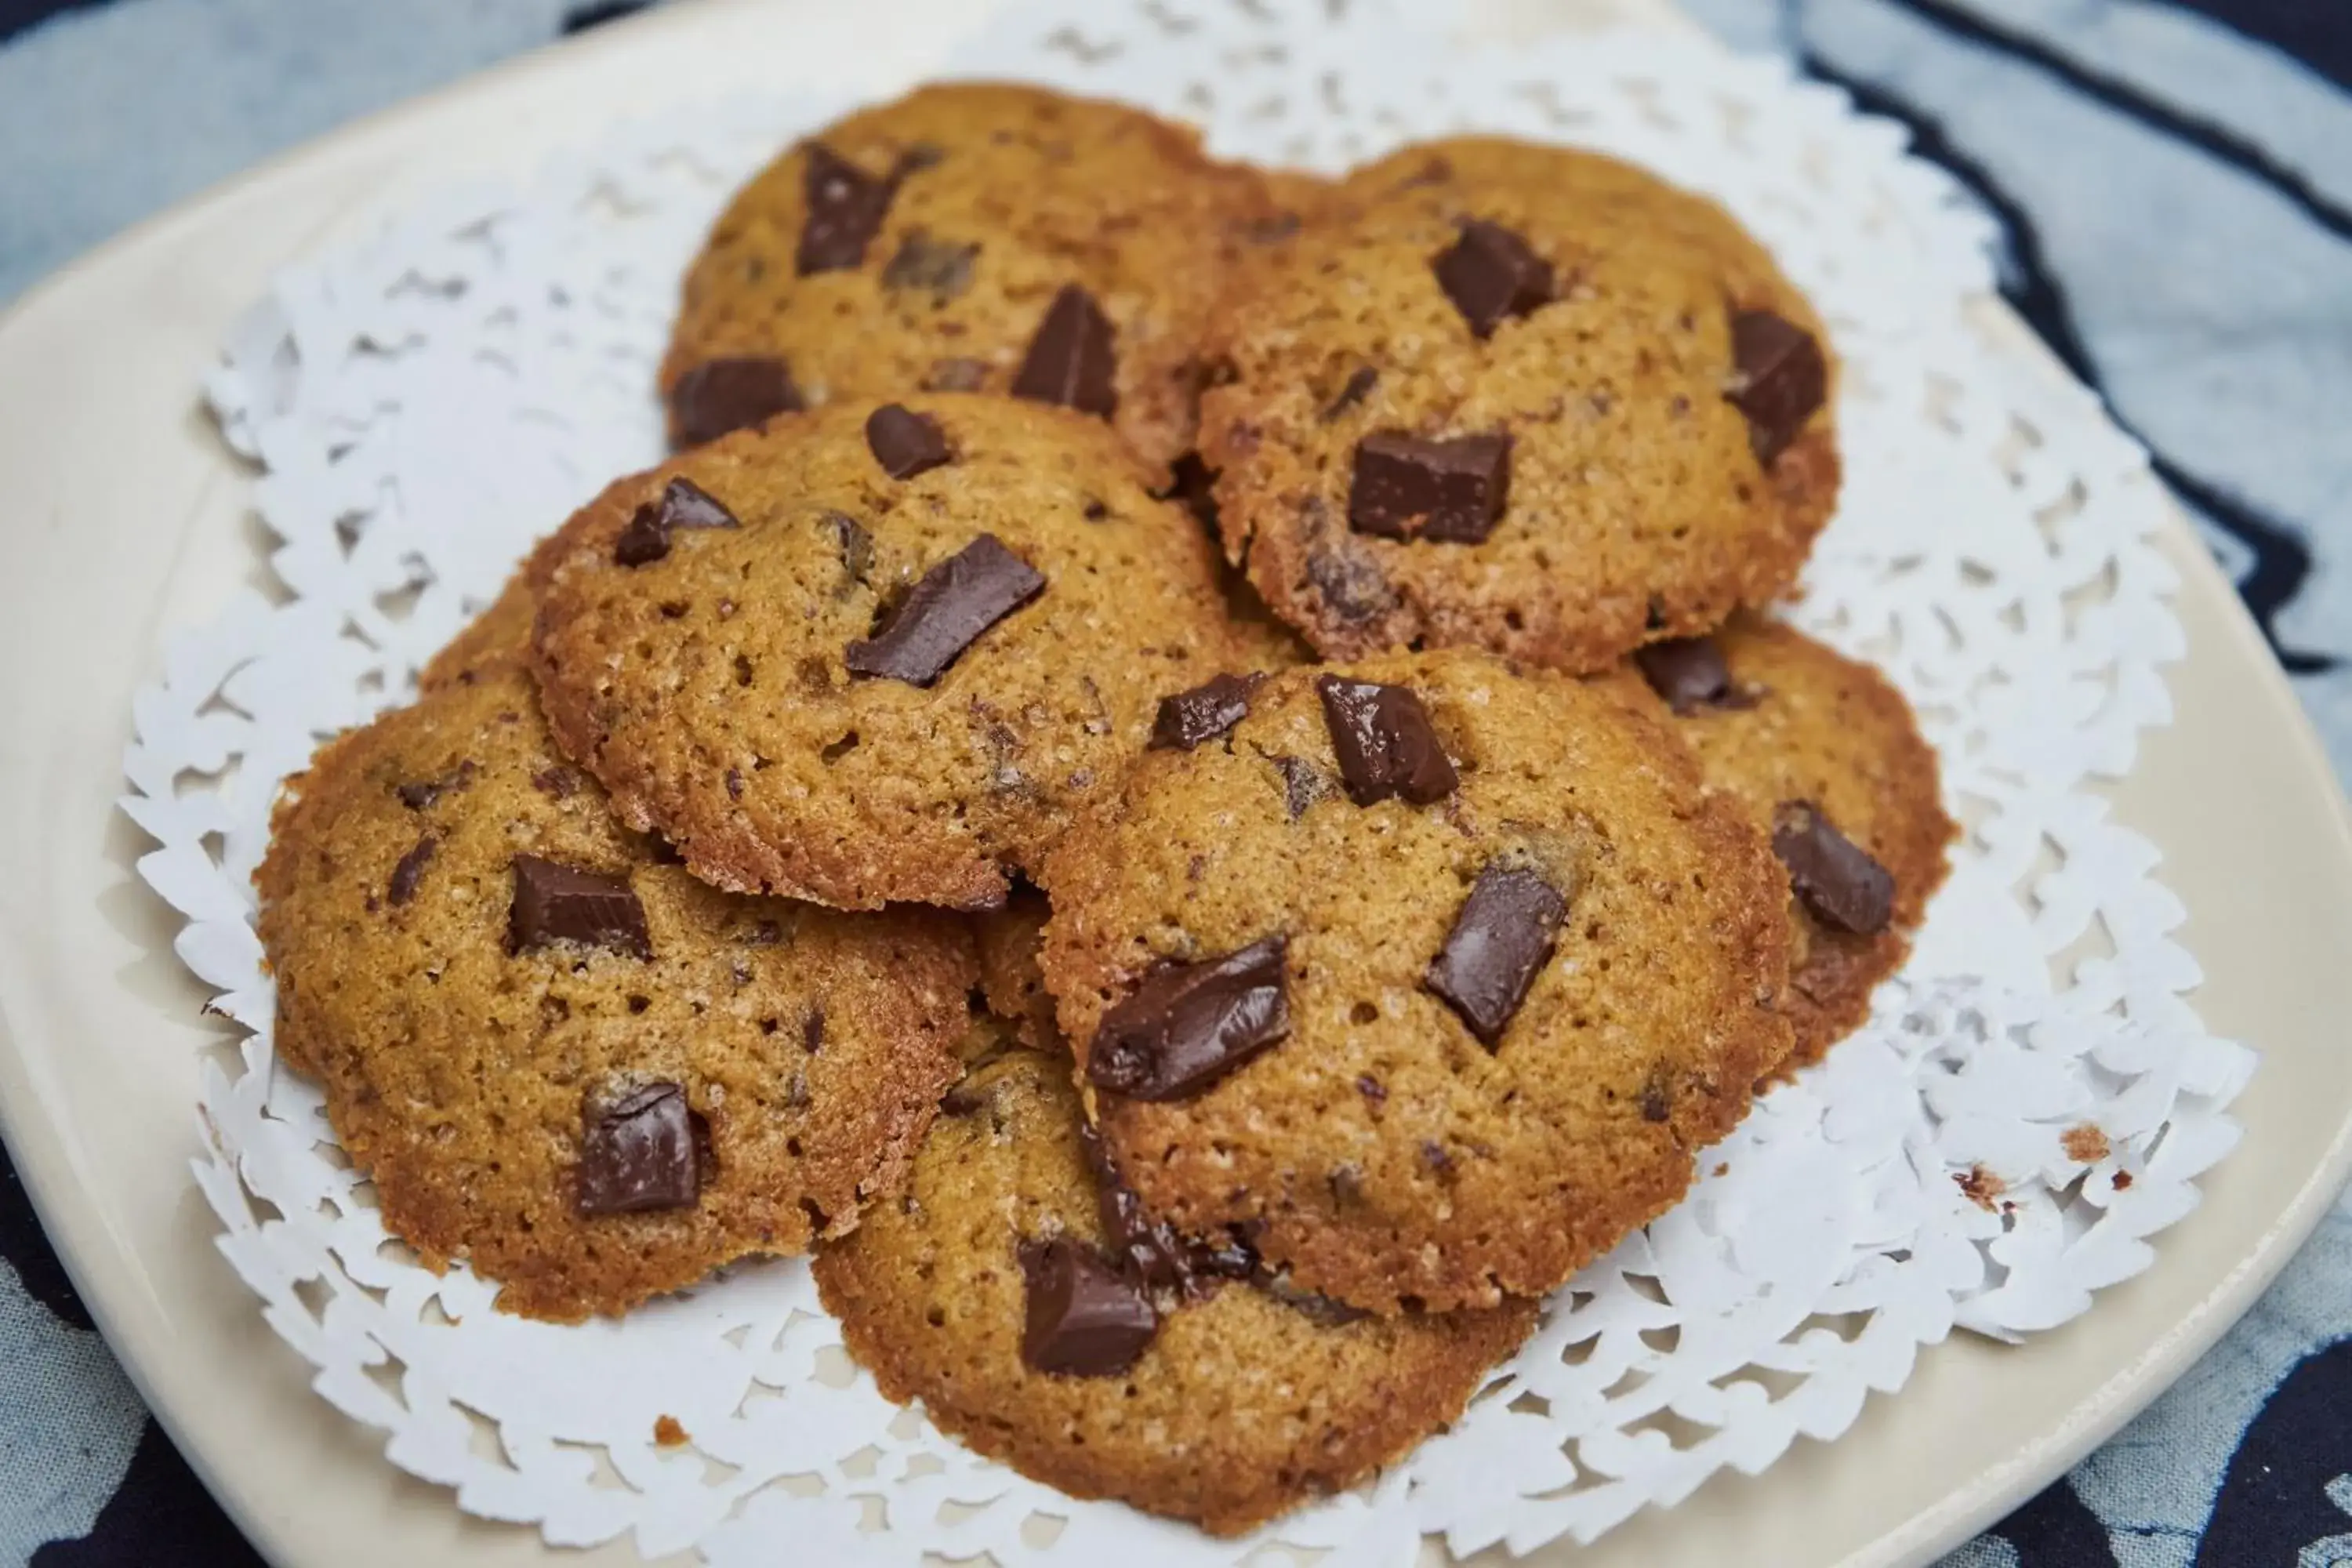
{"x":556,"y":1056}
{"x":1521,"y":398}
{"x":1009,"y":981}
{"x":501,"y":633}
{"x":1819,"y":748}
{"x":822,"y":681}
{"x":1434,"y":976}
{"x":1227,"y":1408}
{"x":969,"y":236}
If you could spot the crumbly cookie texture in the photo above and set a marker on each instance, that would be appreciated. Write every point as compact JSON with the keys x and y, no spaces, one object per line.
{"x":1440,"y":1048}
{"x":558,"y":1056}
{"x":923,"y":244}
{"x":1236,"y":1408}
{"x":1520,"y":398}
{"x":1010,"y":983}
{"x":861,"y":688}
{"x":1789,"y":722}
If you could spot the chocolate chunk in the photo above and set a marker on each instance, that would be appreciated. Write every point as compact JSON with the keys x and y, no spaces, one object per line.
{"x":410,"y":869}
{"x":1411,"y":487}
{"x":682,"y":504}
{"x":1833,"y":877}
{"x":845,"y":207}
{"x":1658,"y":1094}
{"x":904,"y":442}
{"x":1188,"y":1025}
{"x":954,"y":603}
{"x":1360,"y":382}
{"x":418,"y":795}
{"x":723,"y":395}
{"x":813,"y":1030}
{"x":557,"y":781}
{"x":556,"y":904}
{"x":639,"y":1154}
{"x":1499,"y":942}
{"x":1385,"y":743}
{"x":1070,"y":361}
{"x":1085,"y":1318}
{"x":1492,"y":274}
{"x":1204,"y":713}
{"x":1152,"y":1251}
{"x":1272,"y":229}
{"x":1302,"y":785}
{"x":956,"y":376}
{"x":1779,"y":379}
{"x":1688,"y":672}
{"x":939,"y":267}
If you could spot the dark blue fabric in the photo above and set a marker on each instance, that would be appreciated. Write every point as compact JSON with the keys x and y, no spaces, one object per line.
{"x":2248,"y":1463}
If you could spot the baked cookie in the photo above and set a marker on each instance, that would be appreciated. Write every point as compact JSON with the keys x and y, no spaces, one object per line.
{"x":1827,"y":758}
{"x":1520,"y":398}
{"x":875,"y":654}
{"x":971,"y":236}
{"x":499,"y":634}
{"x":1431,"y":977}
{"x":987,"y":1292}
{"x":1010,"y":983}
{"x":561,"y":1059}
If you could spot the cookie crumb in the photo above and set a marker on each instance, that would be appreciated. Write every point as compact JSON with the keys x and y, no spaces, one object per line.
{"x":669,"y":1433}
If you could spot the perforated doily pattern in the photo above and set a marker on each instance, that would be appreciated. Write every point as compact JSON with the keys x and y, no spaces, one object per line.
{"x":2032,"y":1101}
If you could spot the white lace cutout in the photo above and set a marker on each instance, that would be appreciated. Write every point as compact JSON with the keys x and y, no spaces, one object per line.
{"x":2031,"y":1102}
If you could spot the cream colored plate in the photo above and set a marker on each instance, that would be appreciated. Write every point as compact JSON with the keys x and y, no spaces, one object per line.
{"x":125,"y":520}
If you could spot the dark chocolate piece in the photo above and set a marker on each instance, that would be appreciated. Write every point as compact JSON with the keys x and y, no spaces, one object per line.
{"x":1501,"y":939}
{"x":410,"y":869}
{"x":1779,"y":379}
{"x":1360,"y":382}
{"x":1832,"y":875}
{"x":1189,"y":1024}
{"x":1085,"y":1318}
{"x":1385,"y":743}
{"x":939,"y":267}
{"x":1491,"y":273}
{"x":845,"y":207}
{"x":682,"y":504}
{"x":1688,"y":672}
{"x":1071,"y":360}
{"x":954,"y":603}
{"x":556,"y":904}
{"x":1152,"y":1251}
{"x":904,"y":442}
{"x":422,"y":794}
{"x":1411,"y":487}
{"x":723,"y":395}
{"x":1204,"y":713}
{"x":639,"y":1154}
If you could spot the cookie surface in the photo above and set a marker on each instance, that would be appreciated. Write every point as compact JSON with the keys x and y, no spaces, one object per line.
{"x":1498,"y":1022}
{"x":1239,"y":1407}
{"x":1800,"y":723}
{"x":1571,"y":333}
{"x":743,"y":691}
{"x":955,"y":217}
{"x":581,"y":1069}
{"x":1011,"y":982}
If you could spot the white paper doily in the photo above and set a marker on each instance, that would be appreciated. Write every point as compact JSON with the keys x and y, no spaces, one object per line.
{"x":2031,"y":1102}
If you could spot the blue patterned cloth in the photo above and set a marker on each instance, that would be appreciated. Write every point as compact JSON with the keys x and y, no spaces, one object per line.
{"x":2175,"y":181}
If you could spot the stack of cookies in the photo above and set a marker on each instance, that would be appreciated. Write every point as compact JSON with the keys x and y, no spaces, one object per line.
{"x":1187,"y":779}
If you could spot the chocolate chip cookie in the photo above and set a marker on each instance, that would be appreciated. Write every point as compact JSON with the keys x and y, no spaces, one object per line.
{"x":1826,"y":756}
{"x":1432,"y":976}
{"x":971,"y":236}
{"x":1110,"y":1359}
{"x":874,"y":652}
{"x":561,"y":1059}
{"x":1520,"y":398}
